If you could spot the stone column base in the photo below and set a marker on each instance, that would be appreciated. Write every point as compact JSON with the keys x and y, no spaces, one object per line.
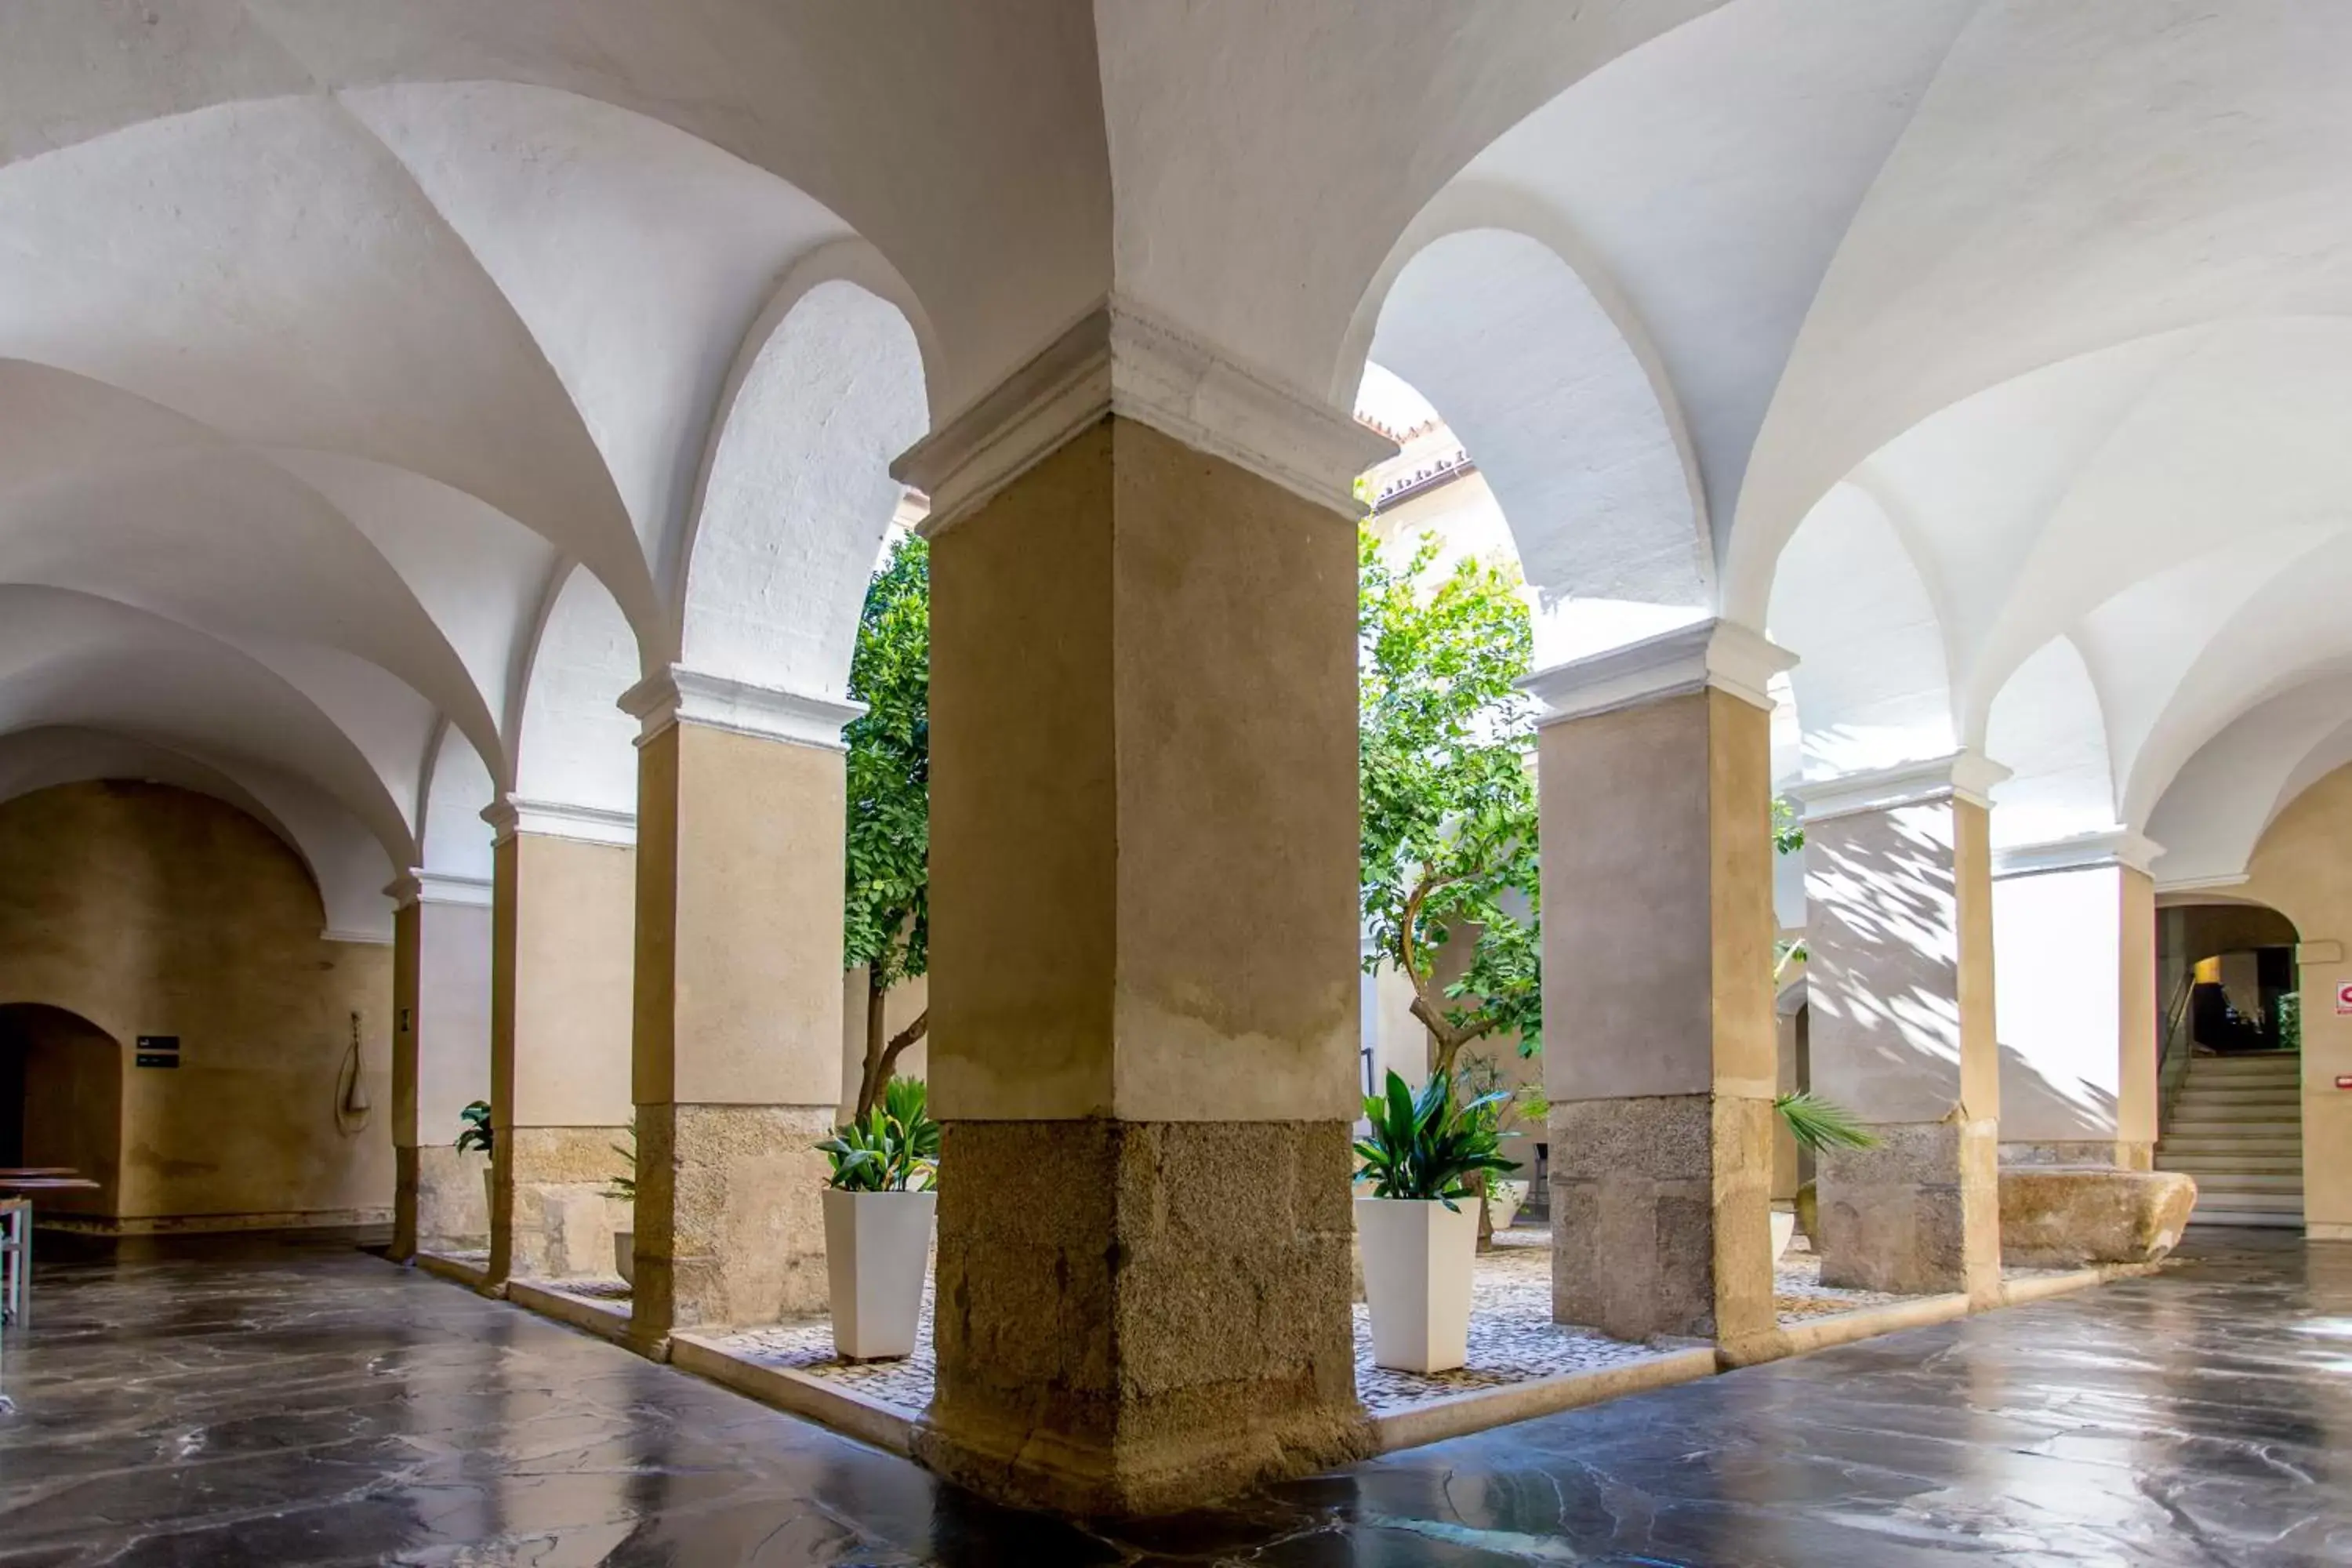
{"x":2120,"y":1154}
{"x":1919,"y":1215}
{"x":730,"y":1220}
{"x":1661,"y":1215}
{"x":1135,"y":1318}
{"x":442,"y":1203}
{"x":550,"y":1216}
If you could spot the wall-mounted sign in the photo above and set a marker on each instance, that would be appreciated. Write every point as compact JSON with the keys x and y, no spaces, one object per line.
{"x":2343,"y":997}
{"x":2343,"y":1080}
{"x":157,"y":1051}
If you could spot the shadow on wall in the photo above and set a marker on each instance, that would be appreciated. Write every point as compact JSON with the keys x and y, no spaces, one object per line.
{"x":2032,"y":1098}
{"x":61,"y":1102}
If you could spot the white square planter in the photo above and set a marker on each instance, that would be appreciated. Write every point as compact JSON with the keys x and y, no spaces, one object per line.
{"x":876,"y":1247}
{"x":1418,"y":1256}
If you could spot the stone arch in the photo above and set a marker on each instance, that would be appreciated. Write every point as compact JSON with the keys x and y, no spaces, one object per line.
{"x":574,"y":746}
{"x":1873,"y":681}
{"x":2048,"y":727}
{"x":797,"y":494}
{"x":1541,"y":379}
{"x":61,"y":1102}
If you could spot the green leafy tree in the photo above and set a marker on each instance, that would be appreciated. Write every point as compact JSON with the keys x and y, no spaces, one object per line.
{"x":886,"y":924}
{"x":1449,"y":802}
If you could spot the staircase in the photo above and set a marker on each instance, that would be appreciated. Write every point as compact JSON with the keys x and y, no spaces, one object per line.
{"x":2237,"y":1127}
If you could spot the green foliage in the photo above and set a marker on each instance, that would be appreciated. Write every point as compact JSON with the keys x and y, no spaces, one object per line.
{"x":886,"y":916}
{"x":625,"y":1186}
{"x":2290,"y":1021}
{"x":895,"y":1149}
{"x":1787,"y":830}
{"x":1818,"y":1124}
{"x":1448,"y":795}
{"x":474,"y":1132}
{"x":1426,"y":1146}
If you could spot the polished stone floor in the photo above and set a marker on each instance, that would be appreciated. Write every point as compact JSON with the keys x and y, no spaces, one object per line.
{"x":263,"y":1401}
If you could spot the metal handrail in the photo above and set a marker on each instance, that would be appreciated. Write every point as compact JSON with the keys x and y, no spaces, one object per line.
{"x":2174,"y":1051}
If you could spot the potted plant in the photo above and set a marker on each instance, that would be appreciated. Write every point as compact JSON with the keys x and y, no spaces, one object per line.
{"x":474,"y":1135}
{"x":1424,"y":1153}
{"x":879,"y":1209}
{"x":625,"y":1187}
{"x":1816,"y":1124}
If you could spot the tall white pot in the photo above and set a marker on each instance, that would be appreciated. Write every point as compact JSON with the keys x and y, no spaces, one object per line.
{"x":1418,"y":1256}
{"x":875,"y":1246}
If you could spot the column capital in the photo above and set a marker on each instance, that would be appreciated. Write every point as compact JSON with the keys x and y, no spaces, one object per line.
{"x":558,"y":819}
{"x":681,"y":696}
{"x":1119,"y":358}
{"x":1711,"y":654}
{"x":418,"y":886}
{"x":2116,"y":846}
{"x":1965,"y":775}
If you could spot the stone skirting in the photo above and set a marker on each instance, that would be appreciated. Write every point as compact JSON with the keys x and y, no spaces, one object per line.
{"x":442,"y":1202}
{"x":730,"y":1227}
{"x":1918,"y":1214}
{"x":1659,"y":1208}
{"x":1136,"y":1317}
{"x":551,"y":1215}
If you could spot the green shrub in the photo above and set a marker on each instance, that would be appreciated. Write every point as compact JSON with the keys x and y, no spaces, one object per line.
{"x":1426,"y":1147}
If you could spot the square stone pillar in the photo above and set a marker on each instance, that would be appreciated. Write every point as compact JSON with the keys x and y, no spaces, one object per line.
{"x":1144,"y":983}
{"x":738,"y":1005}
{"x":1654,"y":776}
{"x":440,"y":1059}
{"x":562,"y":931}
{"x":2078,"y":1050}
{"x":1899,"y":975}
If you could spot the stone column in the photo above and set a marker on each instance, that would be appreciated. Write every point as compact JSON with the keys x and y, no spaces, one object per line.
{"x":1898,"y":931}
{"x":440,"y":1059}
{"x":1654,"y":775}
{"x":2078,"y":1050}
{"x":738,"y":1007}
{"x":563,"y":934}
{"x":1143,"y":982}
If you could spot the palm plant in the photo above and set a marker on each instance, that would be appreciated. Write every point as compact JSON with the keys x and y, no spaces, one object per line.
{"x":895,"y":1149}
{"x":474,"y":1135}
{"x":1426,"y":1147}
{"x":1818,"y":1124}
{"x":625,"y":1187}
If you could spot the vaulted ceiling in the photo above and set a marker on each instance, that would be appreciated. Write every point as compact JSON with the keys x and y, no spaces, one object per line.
{"x":383,"y":389}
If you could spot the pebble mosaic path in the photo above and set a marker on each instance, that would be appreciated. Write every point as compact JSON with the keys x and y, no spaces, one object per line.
{"x":1512,"y":1336}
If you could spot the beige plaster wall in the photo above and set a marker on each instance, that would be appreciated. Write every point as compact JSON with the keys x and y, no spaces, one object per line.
{"x":565,"y":922}
{"x":442,"y":991}
{"x":1143,"y":852}
{"x":148,"y":909}
{"x":2303,"y":869}
{"x":738,"y":1000}
{"x":1658,"y":930}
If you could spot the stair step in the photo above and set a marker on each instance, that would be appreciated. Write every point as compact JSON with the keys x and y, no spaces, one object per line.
{"x":2232,"y":1118}
{"x":2257,"y":1201}
{"x":2234,"y":1181}
{"x":2235,"y":1094}
{"x":2235,"y":1216}
{"x":2243,"y":1069}
{"x":2228,"y":1157}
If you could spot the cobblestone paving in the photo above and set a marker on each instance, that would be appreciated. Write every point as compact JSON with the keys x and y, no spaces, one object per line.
{"x":1512,"y":1340}
{"x":1797,"y":1292}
